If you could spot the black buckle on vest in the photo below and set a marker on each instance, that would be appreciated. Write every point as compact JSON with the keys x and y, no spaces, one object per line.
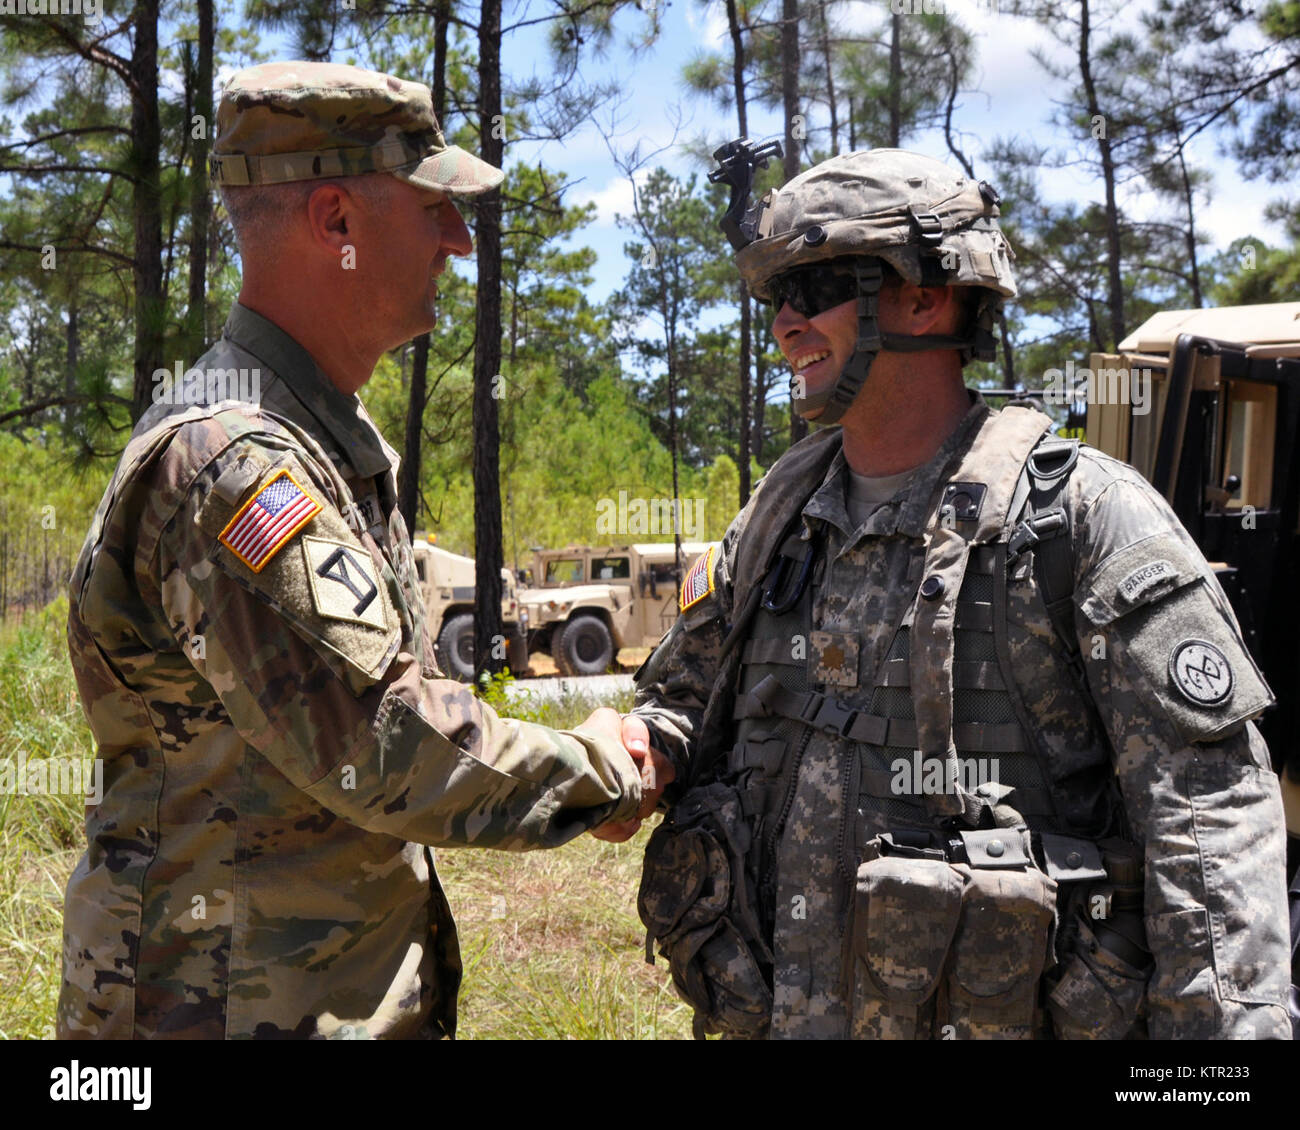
{"x":1038,"y":527}
{"x":834,"y":717}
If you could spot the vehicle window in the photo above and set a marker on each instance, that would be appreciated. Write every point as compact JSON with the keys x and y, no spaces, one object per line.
{"x":422,"y":568}
{"x":564,"y":571}
{"x":611,"y":568}
{"x":1250,"y":422}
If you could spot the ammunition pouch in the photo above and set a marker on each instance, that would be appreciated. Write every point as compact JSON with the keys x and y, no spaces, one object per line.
{"x":949,"y":949}
{"x":697,"y":901}
{"x":1100,"y":993}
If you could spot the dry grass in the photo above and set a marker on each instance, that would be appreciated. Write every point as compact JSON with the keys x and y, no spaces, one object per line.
{"x":551,"y":942}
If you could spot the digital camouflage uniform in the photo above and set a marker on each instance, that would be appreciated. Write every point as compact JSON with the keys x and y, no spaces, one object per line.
{"x":791,"y":885}
{"x":279,"y":749}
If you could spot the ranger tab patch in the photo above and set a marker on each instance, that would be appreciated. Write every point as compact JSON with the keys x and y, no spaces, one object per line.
{"x":264,"y":525}
{"x":699,"y":581}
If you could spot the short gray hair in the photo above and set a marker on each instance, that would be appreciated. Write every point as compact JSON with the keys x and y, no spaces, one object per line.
{"x":258,"y":211}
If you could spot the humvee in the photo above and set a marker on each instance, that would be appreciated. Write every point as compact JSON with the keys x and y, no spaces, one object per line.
{"x":1218,"y":440}
{"x":587,"y":602}
{"x":447,"y":581}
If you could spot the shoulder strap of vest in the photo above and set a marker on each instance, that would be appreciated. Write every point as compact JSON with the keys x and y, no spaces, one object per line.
{"x":1045,"y":531}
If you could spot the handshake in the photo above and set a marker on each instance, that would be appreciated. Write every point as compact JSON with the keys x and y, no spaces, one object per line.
{"x":656,"y":770}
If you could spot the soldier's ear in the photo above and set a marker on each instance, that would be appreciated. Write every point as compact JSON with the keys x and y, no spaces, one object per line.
{"x":329,"y":209}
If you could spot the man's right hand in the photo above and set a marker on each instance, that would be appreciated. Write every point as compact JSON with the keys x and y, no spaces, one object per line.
{"x":656,"y":774}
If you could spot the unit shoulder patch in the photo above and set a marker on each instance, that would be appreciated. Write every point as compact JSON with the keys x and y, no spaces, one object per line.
{"x":698,"y":582}
{"x":343,"y":582}
{"x":268,"y":521}
{"x":1201,"y":672}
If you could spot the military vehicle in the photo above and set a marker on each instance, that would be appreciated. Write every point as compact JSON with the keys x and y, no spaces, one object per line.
{"x":585,"y":602}
{"x":447,"y":581}
{"x":1217,"y":436}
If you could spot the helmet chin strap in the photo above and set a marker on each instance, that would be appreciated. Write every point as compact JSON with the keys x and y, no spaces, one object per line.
{"x":834,"y":400}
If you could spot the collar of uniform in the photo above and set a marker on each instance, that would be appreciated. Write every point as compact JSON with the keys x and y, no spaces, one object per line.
{"x":342,"y":416}
{"x":828,"y":500}
{"x":916,"y":510}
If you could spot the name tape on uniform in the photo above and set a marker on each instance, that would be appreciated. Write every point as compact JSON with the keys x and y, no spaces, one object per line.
{"x":265,"y":524}
{"x":699,"y":581}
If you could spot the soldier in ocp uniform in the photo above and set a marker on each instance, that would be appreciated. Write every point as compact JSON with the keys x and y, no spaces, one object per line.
{"x":960,"y":717}
{"x":248,"y":635}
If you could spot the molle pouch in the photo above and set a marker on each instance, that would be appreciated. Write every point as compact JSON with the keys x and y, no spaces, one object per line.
{"x":998,"y":955}
{"x":697,"y":900}
{"x":904,"y":916}
{"x":1100,"y":995}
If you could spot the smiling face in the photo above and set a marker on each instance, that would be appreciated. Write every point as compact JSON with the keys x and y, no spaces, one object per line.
{"x":818,"y":347}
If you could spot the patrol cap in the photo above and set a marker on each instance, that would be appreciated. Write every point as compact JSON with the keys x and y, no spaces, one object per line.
{"x":296,"y":121}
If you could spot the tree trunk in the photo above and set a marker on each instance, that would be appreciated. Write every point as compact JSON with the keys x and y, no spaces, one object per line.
{"x":200,"y":202}
{"x":1197,"y":300}
{"x":830,"y":78}
{"x":487,"y":359}
{"x":760,"y":387}
{"x":73,"y":355}
{"x":1008,"y":357}
{"x":408,"y":488}
{"x":146,"y":206}
{"x":746,"y":334}
{"x":790,"y":103}
{"x":895,"y":80}
{"x":1115,"y":281}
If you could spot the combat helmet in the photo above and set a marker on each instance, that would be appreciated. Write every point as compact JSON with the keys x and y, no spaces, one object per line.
{"x":933,"y":225}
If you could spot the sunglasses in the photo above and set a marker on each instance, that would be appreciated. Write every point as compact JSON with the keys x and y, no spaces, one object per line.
{"x":810,"y":290}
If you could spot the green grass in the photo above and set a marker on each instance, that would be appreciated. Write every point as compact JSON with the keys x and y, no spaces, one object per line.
{"x":551,"y":942}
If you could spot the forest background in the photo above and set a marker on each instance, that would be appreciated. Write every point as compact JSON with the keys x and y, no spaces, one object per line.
{"x":598,"y":340}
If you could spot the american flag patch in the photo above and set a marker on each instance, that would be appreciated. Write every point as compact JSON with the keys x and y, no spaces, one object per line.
{"x":263,"y":525}
{"x":699,"y":581}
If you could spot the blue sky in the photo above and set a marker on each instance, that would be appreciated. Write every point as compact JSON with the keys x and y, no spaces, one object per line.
{"x":1012,"y":96}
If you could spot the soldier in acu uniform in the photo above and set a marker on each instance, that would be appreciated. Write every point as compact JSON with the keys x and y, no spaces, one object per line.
{"x":249,"y":639}
{"x":960,"y":718}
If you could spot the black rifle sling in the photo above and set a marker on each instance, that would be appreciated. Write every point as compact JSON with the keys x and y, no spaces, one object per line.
{"x":1045,"y":531}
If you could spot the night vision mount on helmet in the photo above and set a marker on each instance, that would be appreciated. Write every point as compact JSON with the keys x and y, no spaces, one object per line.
{"x":934,"y":226}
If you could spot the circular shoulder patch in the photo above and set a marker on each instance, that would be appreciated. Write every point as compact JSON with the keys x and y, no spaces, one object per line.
{"x":1201,"y":672}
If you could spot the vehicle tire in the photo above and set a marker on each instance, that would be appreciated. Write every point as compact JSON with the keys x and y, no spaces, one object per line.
{"x":586,"y":647}
{"x":456,"y":647}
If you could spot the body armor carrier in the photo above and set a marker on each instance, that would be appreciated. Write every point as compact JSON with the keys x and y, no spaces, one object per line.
{"x":949,"y":817}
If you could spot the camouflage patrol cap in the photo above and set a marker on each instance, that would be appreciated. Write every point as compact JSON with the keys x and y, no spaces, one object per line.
{"x":297,"y":121}
{"x":933,"y":225}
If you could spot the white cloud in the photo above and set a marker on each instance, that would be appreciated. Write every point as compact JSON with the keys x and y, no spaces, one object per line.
{"x":615,"y":197}
{"x":709,"y":24}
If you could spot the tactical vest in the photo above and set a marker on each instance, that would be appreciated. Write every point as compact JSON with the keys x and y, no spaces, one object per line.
{"x":941,"y":709}
{"x":780,"y":706}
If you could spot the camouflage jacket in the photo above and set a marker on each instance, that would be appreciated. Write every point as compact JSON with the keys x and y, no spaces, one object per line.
{"x":279,"y":750}
{"x":1198,"y":792}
